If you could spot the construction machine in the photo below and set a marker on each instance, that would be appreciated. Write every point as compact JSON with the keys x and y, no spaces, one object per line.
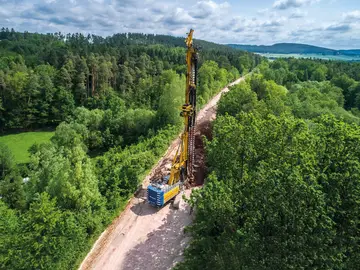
{"x":162,"y":190}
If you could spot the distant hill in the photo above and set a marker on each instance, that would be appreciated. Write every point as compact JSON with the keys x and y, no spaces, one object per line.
{"x":350,"y":52}
{"x":288,"y":48}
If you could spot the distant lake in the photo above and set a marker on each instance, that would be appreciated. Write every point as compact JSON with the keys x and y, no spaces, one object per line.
{"x":316,"y":56}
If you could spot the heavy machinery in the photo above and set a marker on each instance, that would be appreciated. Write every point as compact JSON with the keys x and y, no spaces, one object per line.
{"x":160,"y":191}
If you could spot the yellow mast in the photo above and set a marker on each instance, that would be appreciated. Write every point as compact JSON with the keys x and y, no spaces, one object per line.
{"x":183,"y":163}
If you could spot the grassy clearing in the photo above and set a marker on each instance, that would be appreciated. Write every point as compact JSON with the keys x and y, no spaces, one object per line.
{"x":20,"y":143}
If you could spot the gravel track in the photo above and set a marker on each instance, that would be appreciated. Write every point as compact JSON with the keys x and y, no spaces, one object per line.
{"x":144,"y":237}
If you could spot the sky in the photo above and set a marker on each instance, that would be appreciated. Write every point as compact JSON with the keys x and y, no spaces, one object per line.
{"x":330,"y":23}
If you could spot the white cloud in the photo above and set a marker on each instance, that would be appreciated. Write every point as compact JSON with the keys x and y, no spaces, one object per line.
{"x":213,"y":20}
{"x":298,"y":14}
{"x":206,"y":9}
{"x":286,"y":4}
{"x":178,"y":17}
{"x":274,"y":22}
{"x":263,"y":11}
{"x":339,"y":27}
{"x":352,"y":16}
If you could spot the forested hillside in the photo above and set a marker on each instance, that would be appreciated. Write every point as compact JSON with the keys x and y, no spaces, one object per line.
{"x":44,"y":77}
{"x":113,"y":103}
{"x":283,"y":190}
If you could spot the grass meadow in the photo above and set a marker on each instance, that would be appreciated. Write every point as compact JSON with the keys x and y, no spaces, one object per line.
{"x":19,"y":144}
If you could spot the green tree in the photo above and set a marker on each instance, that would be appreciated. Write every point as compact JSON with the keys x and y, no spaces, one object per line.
{"x":319,"y":74}
{"x":63,"y":105}
{"x":262,"y":207}
{"x":65,"y":174}
{"x":50,"y":236}
{"x":47,"y":90}
{"x":7,"y":162}
{"x":312,"y":99}
{"x":12,"y":191}
{"x":240,"y":98}
{"x":9,"y":238}
{"x":82,"y":72}
{"x":171,"y":99}
{"x":339,"y":175}
{"x":64,"y":79}
{"x":346,"y":84}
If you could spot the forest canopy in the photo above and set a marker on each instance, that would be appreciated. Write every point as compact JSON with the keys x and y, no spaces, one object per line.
{"x":284,"y":162}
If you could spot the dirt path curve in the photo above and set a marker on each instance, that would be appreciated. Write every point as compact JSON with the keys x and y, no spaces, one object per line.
{"x":143,"y":237}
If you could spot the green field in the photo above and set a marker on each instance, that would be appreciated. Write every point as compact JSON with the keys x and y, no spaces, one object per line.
{"x":315,"y":56}
{"x":20,"y":143}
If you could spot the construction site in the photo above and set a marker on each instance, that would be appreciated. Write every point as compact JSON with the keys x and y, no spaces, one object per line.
{"x":148,"y":237}
{"x":182,"y":135}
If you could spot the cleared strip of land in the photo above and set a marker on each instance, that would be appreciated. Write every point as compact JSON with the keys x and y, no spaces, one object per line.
{"x":143,"y":237}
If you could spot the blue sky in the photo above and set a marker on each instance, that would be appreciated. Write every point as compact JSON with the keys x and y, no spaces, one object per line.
{"x":330,"y":23}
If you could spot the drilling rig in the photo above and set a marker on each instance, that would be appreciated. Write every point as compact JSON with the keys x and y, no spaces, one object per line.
{"x":162,"y":190}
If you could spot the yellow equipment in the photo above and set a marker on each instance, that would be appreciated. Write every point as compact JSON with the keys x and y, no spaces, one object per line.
{"x":162,"y":190}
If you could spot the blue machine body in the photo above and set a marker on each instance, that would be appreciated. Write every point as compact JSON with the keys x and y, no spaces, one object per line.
{"x":159,"y":192}
{"x":155,"y":196}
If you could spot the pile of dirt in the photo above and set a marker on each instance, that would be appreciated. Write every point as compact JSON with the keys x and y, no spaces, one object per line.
{"x":203,"y":130}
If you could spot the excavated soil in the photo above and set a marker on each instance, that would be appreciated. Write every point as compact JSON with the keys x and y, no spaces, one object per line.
{"x":203,"y":130}
{"x":144,"y":237}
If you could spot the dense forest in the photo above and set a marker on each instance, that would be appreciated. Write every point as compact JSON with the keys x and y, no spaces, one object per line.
{"x":43,"y":78}
{"x":283,"y":190}
{"x":113,"y":103}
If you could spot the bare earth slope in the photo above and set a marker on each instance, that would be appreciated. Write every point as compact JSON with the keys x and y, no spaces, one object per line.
{"x":143,"y":237}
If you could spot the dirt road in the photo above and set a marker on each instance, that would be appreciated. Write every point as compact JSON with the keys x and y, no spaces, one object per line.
{"x":146,"y":238}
